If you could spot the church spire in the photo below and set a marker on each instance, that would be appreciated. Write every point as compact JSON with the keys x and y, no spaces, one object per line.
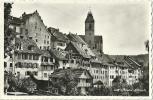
{"x":89,"y":18}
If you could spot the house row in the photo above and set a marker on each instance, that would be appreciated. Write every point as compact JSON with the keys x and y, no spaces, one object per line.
{"x":43,"y":51}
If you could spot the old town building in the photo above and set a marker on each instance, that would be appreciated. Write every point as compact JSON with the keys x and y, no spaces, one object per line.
{"x":58,"y":39}
{"x":37,"y":30}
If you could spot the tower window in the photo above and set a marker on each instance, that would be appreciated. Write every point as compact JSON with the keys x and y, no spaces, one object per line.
{"x":90,"y":26}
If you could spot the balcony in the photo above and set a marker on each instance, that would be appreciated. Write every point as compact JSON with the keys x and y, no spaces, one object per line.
{"x":83,"y":85}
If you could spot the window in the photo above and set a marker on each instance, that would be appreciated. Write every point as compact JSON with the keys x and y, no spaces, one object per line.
{"x":36,"y":40}
{"x":26,"y":56}
{"x":31,"y":47}
{"x":14,"y":28}
{"x":47,"y":42}
{"x":90,"y":26}
{"x":5,"y":64}
{"x":48,"y":36}
{"x":19,"y":56}
{"x":21,"y":37}
{"x":35,"y":57}
{"x":35,"y":65}
{"x":40,"y":47}
{"x":30,"y":38}
{"x":96,"y":71}
{"x":35,"y":25}
{"x":46,"y":59}
{"x":35,"y":73}
{"x":72,"y":61}
{"x":30,"y":56}
{"x":51,"y":59}
{"x":45,"y":74}
{"x":60,"y":44}
{"x":26,"y":31}
{"x":44,"y":41}
{"x":27,"y":73}
{"x":23,"y":57}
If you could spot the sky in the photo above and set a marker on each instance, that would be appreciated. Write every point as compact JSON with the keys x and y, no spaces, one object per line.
{"x":123,"y":25}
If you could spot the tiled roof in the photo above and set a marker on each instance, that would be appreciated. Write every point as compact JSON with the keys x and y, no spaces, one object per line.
{"x":96,"y":38}
{"x":46,"y":53}
{"x":98,"y":83}
{"x":25,"y":43}
{"x":26,"y":16}
{"x":126,"y":61}
{"x":57,"y":54}
{"x":16,"y":21}
{"x":141,"y":59}
{"x":80,"y":50}
{"x":74,"y":73}
{"x":76,"y":38}
{"x":60,"y":36}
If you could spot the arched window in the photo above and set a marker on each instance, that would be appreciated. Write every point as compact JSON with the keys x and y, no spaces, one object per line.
{"x":90,"y":26}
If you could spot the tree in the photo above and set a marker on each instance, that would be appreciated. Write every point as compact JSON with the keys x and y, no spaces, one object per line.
{"x":7,"y":18}
{"x":120,"y":86}
{"x":66,"y":84}
{"x":147,"y":45}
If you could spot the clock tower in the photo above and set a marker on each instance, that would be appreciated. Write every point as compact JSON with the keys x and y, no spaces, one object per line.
{"x":89,"y":30}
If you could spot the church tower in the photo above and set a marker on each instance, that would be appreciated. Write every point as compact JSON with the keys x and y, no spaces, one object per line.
{"x":89,"y":30}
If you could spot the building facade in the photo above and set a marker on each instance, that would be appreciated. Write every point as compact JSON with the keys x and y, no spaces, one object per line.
{"x":37,"y":30}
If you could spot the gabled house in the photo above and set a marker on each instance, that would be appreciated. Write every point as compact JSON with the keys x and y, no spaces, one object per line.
{"x":47,"y":65}
{"x":59,"y":40}
{"x":37,"y":30}
{"x":60,"y":58}
{"x":25,"y":57}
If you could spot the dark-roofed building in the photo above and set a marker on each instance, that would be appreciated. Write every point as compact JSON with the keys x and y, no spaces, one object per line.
{"x":58,"y":39}
{"x":75,"y":78}
{"x":26,"y":57}
{"x":47,"y":65}
{"x":60,"y":58}
{"x":76,"y":38}
{"x":124,"y":66}
{"x":93,"y":41}
{"x":15,"y":24}
{"x":78,"y":57}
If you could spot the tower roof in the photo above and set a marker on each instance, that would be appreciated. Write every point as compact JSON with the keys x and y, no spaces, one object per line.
{"x":89,"y":17}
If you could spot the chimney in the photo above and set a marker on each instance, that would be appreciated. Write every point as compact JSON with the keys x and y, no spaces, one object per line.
{"x":24,"y":14}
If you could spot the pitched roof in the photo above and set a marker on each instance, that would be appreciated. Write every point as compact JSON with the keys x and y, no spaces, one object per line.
{"x":80,"y":50}
{"x":45,"y":53}
{"x":124,"y":61}
{"x":60,"y":36}
{"x":57,"y":54}
{"x":98,"y":83}
{"x":76,"y":38}
{"x":25,"y":43}
{"x":16,"y":21}
{"x":142,"y":59}
{"x":74,"y":73}
{"x":97,"y":38}
{"x":26,"y":16}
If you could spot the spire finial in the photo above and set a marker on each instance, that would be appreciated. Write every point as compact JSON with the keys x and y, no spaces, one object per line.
{"x":89,"y":10}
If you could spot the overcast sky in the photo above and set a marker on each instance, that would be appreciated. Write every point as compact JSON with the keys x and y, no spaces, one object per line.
{"x":124,"y":26}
